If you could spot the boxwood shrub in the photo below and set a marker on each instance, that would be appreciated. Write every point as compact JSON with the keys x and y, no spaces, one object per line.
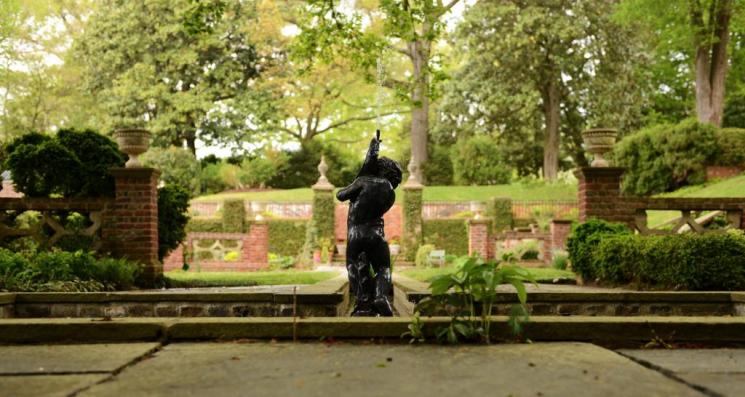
{"x":286,"y":236}
{"x":584,"y":239}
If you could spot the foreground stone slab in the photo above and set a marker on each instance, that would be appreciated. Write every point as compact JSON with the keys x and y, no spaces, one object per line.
{"x":715,"y":370}
{"x":286,"y":369}
{"x":46,"y":385}
{"x":51,"y":359}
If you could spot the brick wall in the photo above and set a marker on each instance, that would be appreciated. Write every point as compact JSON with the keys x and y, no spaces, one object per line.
{"x":721,"y":172}
{"x":254,"y":251}
{"x":392,"y":220}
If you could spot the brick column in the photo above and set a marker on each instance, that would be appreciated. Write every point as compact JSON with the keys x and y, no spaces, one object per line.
{"x":600,"y":197}
{"x":478,"y":238}
{"x":256,"y":245}
{"x":131,"y":230}
{"x":559,"y":231}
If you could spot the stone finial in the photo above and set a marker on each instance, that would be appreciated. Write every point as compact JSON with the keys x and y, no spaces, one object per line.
{"x":323,"y":182}
{"x":413,"y":181}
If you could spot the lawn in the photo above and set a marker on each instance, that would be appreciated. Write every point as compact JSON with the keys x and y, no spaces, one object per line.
{"x":732,"y":187}
{"x":515,"y":191}
{"x":540,"y":274}
{"x":182,"y":279}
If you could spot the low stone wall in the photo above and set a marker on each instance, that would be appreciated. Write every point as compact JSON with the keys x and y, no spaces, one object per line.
{"x":325,"y":299}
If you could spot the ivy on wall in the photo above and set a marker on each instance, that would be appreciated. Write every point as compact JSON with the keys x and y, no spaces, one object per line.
{"x":412,"y":222}
{"x":323,"y":213}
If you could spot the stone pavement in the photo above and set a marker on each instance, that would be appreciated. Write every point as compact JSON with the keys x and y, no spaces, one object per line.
{"x":362,"y":369}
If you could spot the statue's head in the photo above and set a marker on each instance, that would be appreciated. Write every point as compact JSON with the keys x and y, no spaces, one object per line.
{"x":390,"y":170}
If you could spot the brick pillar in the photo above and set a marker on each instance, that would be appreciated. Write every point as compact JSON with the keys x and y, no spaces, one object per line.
{"x":600,"y":197}
{"x":478,"y":238}
{"x":559,"y":230}
{"x":256,"y":245}
{"x":131,"y":230}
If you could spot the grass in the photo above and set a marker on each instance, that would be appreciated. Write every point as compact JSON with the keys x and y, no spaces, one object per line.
{"x":515,"y":191}
{"x":732,"y":187}
{"x":540,"y":274}
{"x":182,"y":279}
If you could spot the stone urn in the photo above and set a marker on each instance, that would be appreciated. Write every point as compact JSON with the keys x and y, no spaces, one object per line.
{"x":133,"y":142}
{"x":599,"y":141}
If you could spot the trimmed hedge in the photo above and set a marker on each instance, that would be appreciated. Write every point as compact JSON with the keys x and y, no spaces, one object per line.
{"x":212,"y":225}
{"x":448,"y":234}
{"x":286,"y":236}
{"x":499,"y":209}
{"x":323,"y":213}
{"x":731,"y":142}
{"x":233,"y":216}
{"x":690,"y":261}
{"x":412,"y":222}
{"x":611,"y":254}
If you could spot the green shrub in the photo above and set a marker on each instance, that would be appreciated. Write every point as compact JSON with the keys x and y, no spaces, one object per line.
{"x":412,"y":222}
{"x":213,"y":225}
{"x":177,"y":166}
{"x":499,"y":209}
{"x":438,"y":170}
{"x":279,"y":262}
{"x":286,"y":236}
{"x":731,"y":142}
{"x":680,"y":261}
{"x":71,"y":164}
{"x":584,"y":238}
{"x":323,"y":213}
{"x":527,"y":250}
{"x":478,"y":161}
{"x":422,"y":255}
{"x":173,"y":207}
{"x":210,"y":180}
{"x":450,"y":235}
{"x":233,"y":216}
{"x":560,"y":259}
{"x":257,"y":171}
{"x":666,"y":157}
{"x":64,"y":271}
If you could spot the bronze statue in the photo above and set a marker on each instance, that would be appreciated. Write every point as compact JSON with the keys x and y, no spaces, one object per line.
{"x":368,"y":258}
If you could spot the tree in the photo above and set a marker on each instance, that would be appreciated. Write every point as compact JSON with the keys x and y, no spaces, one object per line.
{"x":150,"y":69}
{"x":404,"y":27}
{"x":696,"y":31}
{"x":563,"y":61}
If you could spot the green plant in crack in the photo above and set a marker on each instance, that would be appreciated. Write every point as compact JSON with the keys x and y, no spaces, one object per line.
{"x":468,"y":295}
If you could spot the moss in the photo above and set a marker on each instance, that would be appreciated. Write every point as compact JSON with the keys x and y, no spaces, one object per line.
{"x":234,"y":216}
{"x":450,"y":235}
{"x":412,"y":222}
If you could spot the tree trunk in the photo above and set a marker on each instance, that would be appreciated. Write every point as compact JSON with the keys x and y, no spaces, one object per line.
{"x":419,"y":51}
{"x":191,"y":142}
{"x":552,"y":118}
{"x":711,"y":65}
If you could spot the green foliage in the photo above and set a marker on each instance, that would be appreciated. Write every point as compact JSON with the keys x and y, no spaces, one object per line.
{"x":279,"y":262}
{"x":468,"y":295}
{"x":438,"y":170}
{"x":584,"y":239}
{"x":713,"y":262}
{"x":412,"y":222}
{"x":323,"y":213}
{"x":286,"y":236}
{"x":301,"y":169}
{"x":64,"y":271}
{"x":478,"y":161}
{"x":233,"y":216}
{"x":71,"y":164}
{"x":210,"y":181}
{"x":257,"y":171}
{"x":173,"y":207}
{"x":310,"y":244}
{"x":422,"y":258}
{"x":560,"y":259}
{"x":527,"y":249}
{"x":177,"y":166}
{"x":731,"y":142}
{"x":666,"y":157}
{"x":213,"y":225}
{"x":499,"y":209}
{"x":450,"y":235}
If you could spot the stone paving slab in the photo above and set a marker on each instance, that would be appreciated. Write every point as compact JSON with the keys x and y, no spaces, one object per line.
{"x":51,"y":359}
{"x":717,"y":370}
{"x":46,"y":385}
{"x":315,"y":369}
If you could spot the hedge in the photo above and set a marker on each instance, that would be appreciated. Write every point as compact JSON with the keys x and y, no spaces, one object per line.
{"x":690,"y":261}
{"x":412,"y":222}
{"x":233,"y":216}
{"x":323,"y":213}
{"x":448,"y":234}
{"x":610,"y":254}
{"x":286,"y":236}
{"x":731,"y":142}
{"x":499,"y":209}
{"x":212,"y":225}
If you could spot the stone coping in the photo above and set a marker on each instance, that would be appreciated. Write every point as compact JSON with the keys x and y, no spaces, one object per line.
{"x":329,"y":291}
{"x":417,"y":290}
{"x":546,"y":328}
